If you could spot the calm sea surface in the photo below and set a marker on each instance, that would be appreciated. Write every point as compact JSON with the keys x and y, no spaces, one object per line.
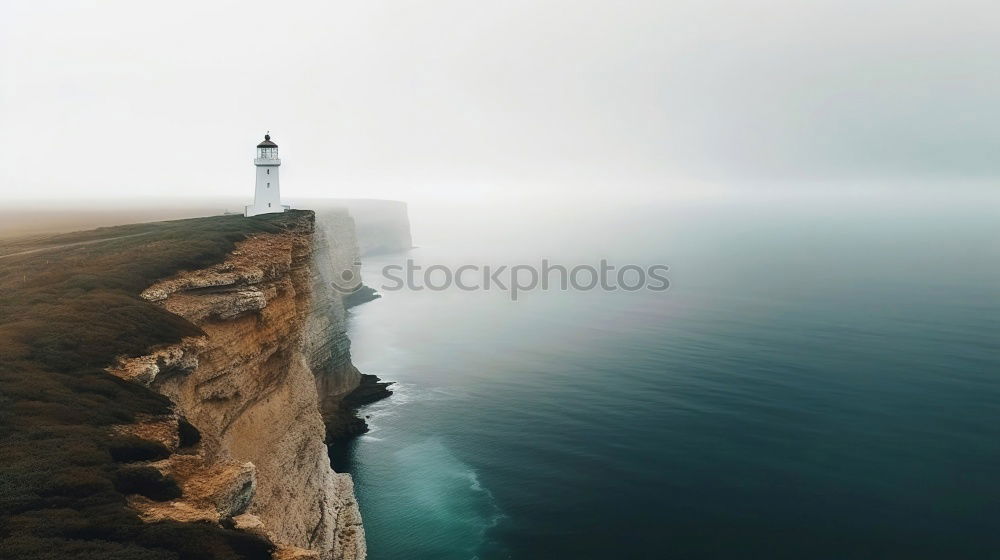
{"x":821,"y":380}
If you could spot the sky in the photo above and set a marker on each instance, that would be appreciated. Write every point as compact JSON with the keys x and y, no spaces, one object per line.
{"x":460,"y":99}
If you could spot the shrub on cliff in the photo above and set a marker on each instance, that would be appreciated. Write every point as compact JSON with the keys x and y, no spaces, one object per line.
{"x":148,"y":482}
{"x":128,"y":450}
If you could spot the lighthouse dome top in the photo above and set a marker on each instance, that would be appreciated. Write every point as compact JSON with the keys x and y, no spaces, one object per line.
{"x":267,"y":142}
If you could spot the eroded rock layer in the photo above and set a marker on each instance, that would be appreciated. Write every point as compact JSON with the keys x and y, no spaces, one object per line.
{"x":275,"y":355}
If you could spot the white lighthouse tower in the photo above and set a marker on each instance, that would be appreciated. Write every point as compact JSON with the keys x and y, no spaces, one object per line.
{"x":267,"y":195}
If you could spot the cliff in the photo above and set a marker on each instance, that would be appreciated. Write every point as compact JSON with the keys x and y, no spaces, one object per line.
{"x":383,"y":226}
{"x":273,"y":358}
{"x":328,"y":347}
{"x":227,"y":347}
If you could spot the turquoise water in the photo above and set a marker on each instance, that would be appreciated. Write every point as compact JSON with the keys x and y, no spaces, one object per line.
{"x":821,"y":380}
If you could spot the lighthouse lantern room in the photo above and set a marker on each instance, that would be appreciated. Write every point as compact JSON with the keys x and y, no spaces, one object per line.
{"x":267,"y":194}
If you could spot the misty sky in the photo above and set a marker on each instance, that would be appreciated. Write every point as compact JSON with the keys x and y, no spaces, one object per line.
{"x":404,"y":99}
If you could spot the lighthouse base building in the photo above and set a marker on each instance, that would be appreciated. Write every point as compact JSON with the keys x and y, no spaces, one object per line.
{"x":267,"y":193}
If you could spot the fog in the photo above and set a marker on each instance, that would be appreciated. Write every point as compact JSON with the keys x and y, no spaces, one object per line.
{"x":466,"y":101}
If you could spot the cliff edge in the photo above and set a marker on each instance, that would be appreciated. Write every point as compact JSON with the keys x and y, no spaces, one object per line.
{"x":226,"y":346}
{"x":274,"y":350}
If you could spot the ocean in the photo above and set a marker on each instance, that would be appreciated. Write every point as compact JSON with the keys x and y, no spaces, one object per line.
{"x":820,"y":380}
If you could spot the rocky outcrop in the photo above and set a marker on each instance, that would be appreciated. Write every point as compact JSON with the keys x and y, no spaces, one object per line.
{"x":337,"y":261}
{"x":346,"y":423}
{"x":327,"y":346}
{"x":274,"y":357}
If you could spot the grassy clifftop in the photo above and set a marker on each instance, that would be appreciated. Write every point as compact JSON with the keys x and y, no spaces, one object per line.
{"x":69,"y":305}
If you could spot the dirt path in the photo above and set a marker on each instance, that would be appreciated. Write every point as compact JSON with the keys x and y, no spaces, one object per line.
{"x":63,"y":246}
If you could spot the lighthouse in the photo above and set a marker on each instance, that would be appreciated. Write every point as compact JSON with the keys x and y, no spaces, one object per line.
{"x":267,"y":194}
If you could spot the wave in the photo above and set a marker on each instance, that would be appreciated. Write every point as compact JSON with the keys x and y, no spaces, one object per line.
{"x":448,"y":507}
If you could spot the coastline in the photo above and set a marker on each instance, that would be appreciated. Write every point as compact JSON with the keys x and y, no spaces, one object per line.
{"x":182,"y":367}
{"x":348,"y":425}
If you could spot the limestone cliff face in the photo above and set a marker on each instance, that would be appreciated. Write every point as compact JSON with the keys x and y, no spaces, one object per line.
{"x":327,"y":346}
{"x":274,"y":355}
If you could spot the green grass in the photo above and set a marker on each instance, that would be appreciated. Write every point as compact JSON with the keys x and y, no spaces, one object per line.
{"x":66,"y":312}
